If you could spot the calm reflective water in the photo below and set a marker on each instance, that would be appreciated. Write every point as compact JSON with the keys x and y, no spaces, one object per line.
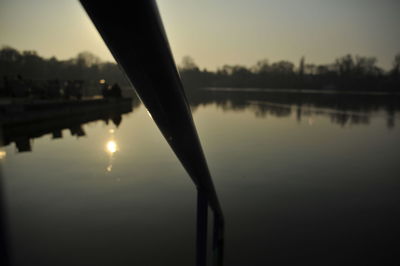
{"x":303,"y":179}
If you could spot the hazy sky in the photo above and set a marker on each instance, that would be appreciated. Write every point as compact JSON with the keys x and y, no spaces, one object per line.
{"x":217,"y":32}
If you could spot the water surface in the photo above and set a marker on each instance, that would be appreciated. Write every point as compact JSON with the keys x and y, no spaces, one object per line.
{"x":302,"y":179}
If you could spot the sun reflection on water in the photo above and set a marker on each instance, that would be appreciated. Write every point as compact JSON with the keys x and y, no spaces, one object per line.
{"x":111,"y":148}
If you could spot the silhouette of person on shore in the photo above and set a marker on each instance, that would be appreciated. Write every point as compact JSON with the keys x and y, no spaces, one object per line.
{"x":116,"y":91}
{"x":108,"y":91}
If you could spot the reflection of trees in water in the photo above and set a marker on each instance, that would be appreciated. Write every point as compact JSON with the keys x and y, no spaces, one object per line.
{"x":262,"y":110}
{"x":343,"y":109}
{"x":25,"y":131}
{"x":343,"y":119}
{"x":336,"y":116}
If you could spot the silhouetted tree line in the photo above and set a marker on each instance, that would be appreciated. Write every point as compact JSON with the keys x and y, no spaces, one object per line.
{"x":85,"y":66}
{"x":346,"y":73}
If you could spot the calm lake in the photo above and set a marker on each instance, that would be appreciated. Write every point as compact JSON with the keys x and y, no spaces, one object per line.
{"x":303,"y":179}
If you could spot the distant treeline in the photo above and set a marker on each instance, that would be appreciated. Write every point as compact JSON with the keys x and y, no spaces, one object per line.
{"x":85,"y":66}
{"x":346,"y":73}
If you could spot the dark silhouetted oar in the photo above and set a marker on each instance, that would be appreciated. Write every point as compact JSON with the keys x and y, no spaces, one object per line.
{"x":134,"y":34}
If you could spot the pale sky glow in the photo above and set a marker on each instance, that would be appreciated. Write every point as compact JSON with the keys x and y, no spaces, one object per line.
{"x":218,"y":32}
